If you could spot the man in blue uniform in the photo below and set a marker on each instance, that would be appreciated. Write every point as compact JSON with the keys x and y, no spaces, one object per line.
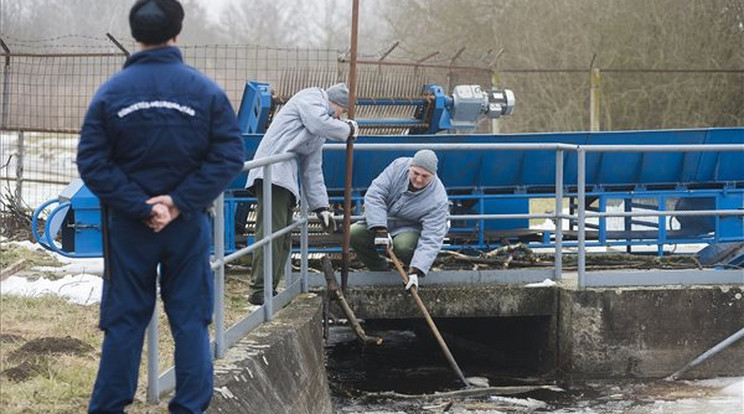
{"x":159,"y":143}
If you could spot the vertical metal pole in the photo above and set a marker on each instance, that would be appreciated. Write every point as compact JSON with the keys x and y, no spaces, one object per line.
{"x":602,"y":220}
{"x":662,"y":227}
{"x":558,"y":213}
{"x":19,"y":171}
{"x":628,"y":223}
{"x":303,"y":243}
{"x":481,"y":223}
{"x":153,"y":388}
{"x":581,"y":201}
{"x":496,"y":122}
{"x":350,"y":147}
{"x":219,"y":285}
{"x":594,"y":100}
{"x":267,"y":259}
{"x":6,"y":86}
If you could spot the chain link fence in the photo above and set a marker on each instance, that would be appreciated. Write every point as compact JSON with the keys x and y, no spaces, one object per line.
{"x":45,"y":90}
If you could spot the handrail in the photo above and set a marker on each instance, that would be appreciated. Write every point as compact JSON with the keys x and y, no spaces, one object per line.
{"x":166,"y":382}
{"x":162,"y":383}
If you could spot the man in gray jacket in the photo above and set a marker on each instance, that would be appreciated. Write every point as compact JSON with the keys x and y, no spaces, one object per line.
{"x":406,"y":205}
{"x":301,"y":127}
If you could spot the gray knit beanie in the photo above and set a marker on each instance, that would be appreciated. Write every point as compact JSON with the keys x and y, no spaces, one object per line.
{"x":339,"y":94}
{"x":426,"y":159}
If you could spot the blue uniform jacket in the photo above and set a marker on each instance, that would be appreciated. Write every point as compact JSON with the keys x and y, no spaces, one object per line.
{"x":159,"y":127}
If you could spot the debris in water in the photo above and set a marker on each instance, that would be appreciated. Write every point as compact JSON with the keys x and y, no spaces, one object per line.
{"x":478,"y":382}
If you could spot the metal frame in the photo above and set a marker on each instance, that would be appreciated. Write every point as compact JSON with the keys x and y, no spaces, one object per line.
{"x":225,"y":338}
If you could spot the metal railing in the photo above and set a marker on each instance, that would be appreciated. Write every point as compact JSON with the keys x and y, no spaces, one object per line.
{"x":558,"y":216}
{"x":225,"y":338}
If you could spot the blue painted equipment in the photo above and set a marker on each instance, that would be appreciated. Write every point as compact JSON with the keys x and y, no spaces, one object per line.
{"x":76,"y":218}
{"x":502,"y":182}
{"x":433,"y":112}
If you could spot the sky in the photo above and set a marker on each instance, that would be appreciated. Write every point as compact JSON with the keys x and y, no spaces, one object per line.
{"x":214,"y":7}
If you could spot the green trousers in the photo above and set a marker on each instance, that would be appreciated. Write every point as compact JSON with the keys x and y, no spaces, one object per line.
{"x":283,"y":204}
{"x":363,"y":241}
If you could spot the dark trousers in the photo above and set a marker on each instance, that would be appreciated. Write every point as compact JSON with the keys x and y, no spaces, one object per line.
{"x":363,"y":242}
{"x":282,"y":203}
{"x":187,"y":291}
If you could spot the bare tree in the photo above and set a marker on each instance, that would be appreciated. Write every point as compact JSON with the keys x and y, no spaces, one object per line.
{"x":33,"y":20}
{"x":653,"y":35}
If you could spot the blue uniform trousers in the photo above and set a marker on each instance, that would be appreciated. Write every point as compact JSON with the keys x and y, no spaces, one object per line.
{"x":187,"y":291}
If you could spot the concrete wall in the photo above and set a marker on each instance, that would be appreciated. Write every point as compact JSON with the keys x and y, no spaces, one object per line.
{"x":594,"y":333}
{"x":278,"y":368}
{"x":645,"y":332}
{"x":489,"y":300}
{"x":649,"y":332}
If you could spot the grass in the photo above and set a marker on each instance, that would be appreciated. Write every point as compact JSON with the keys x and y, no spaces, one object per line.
{"x":11,"y":253}
{"x":62,"y":382}
{"x":542,"y":206}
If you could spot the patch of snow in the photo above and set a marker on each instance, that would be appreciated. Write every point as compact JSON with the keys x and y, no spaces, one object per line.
{"x":544,"y":283}
{"x":27,"y":245}
{"x":82,"y":289}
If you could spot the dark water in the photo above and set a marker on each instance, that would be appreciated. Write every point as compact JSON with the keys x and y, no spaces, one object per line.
{"x":405,"y":373}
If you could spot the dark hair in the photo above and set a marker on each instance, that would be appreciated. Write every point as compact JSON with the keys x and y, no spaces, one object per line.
{"x":155,"y":21}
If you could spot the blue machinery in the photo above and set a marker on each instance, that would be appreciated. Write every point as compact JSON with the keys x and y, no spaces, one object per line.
{"x":496,"y":182}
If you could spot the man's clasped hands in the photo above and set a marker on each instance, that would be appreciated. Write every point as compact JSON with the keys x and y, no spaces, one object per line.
{"x":162,"y":213}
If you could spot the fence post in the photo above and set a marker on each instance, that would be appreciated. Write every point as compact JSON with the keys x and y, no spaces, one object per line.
{"x":19,"y":172}
{"x":495,"y":123}
{"x":6,"y":86}
{"x":594,"y":100}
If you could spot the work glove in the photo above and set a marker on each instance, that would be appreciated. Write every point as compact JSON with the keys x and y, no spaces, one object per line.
{"x":413,"y":275}
{"x":383,"y":239}
{"x":353,"y":129}
{"x":327,"y":223}
{"x":412,"y":281}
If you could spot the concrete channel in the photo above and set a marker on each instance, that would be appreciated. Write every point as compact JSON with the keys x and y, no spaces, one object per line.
{"x":559,"y":331}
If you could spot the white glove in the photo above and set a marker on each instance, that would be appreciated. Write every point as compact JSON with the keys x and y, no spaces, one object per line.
{"x":412,"y":281}
{"x":384,"y":241}
{"x":327,"y":223}
{"x":354,"y":129}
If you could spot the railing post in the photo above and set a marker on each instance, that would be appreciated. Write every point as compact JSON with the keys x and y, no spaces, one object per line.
{"x":558,"y":215}
{"x":661,"y":225}
{"x":153,"y":388}
{"x":303,"y":242}
{"x":267,"y":258}
{"x":219,"y":285}
{"x":581,"y":201}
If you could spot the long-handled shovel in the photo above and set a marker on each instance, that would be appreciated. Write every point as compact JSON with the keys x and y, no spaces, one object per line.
{"x":429,"y":320}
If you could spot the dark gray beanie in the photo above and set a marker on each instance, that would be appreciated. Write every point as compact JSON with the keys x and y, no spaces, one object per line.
{"x":339,"y":94}
{"x":426,"y":159}
{"x":155,"y":21}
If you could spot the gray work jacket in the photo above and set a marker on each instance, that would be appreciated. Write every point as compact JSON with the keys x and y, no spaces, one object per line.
{"x":388,"y":203}
{"x":301,"y":127}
